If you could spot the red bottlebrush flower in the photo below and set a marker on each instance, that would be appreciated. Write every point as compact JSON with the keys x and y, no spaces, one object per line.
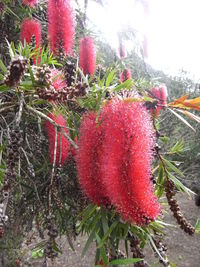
{"x":125,"y":75}
{"x":61,"y":27}
{"x":57,"y":79}
{"x":126,"y":160}
{"x":87,"y":55}
{"x":31,"y":28}
{"x":114,"y":160}
{"x":30,"y":3}
{"x":87,"y":158}
{"x":63,"y":144}
{"x":160,"y":94}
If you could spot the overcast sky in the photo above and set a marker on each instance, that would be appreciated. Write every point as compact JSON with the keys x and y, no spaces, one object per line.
{"x":172,"y":28}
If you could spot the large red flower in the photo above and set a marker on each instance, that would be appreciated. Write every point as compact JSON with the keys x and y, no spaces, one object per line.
{"x":63,"y":144}
{"x":90,"y":148}
{"x":87,"y":55}
{"x":61,"y":27}
{"x":114,"y":160}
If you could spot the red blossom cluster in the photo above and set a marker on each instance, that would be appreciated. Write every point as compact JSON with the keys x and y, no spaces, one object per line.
{"x":114,"y":160}
{"x":87,"y":55}
{"x":160,"y":94}
{"x":63,"y":144}
{"x":61,"y":26}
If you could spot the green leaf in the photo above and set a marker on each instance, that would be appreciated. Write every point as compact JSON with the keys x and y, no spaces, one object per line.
{"x":3,"y":67}
{"x":172,"y":167}
{"x":90,"y":239}
{"x":110,"y":78}
{"x":102,"y":250}
{"x":125,"y":261}
{"x":127,"y":84}
{"x":4,"y":88}
{"x":179,"y":185}
{"x":197,"y":227}
{"x":114,"y":224}
{"x":104,"y":221}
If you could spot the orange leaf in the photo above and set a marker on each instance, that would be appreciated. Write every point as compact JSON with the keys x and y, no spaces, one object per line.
{"x":184,"y":103}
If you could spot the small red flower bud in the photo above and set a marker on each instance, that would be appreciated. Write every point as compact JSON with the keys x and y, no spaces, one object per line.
{"x":160,"y":94}
{"x":125,"y":75}
{"x":63,"y":144}
{"x":87,"y":55}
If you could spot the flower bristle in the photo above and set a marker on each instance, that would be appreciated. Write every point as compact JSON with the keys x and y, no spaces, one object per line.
{"x":87,"y":158}
{"x":160,"y":94}
{"x":63,"y":145}
{"x":30,"y":3}
{"x":87,"y":55}
{"x":114,"y":160}
{"x":61,"y":28}
{"x":125,"y":75}
{"x":30,"y":28}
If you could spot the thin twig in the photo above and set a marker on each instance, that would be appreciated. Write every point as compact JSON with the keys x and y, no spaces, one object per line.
{"x":19,"y":114}
{"x":42,"y":115}
{"x":53,"y":168}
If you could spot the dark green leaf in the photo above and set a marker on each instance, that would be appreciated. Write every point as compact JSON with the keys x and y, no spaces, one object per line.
{"x":125,"y":261}
{"x":3,"y":67}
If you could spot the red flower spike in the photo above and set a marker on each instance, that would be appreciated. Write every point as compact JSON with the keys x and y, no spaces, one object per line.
{"x":126,"y":161}
{"x":61,"y":27}
{"x":87,"y":55}
{"x":125,"y":75}
{"x":63,"y":144}
{"x":160,"y":94}
{"x":30,"y":28}
{"x":57,"y":79}
{"x":87,"y":158}
{"x":30,"y":3}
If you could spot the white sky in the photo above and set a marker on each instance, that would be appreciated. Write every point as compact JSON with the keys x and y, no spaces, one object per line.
{"x":172,"y":29}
